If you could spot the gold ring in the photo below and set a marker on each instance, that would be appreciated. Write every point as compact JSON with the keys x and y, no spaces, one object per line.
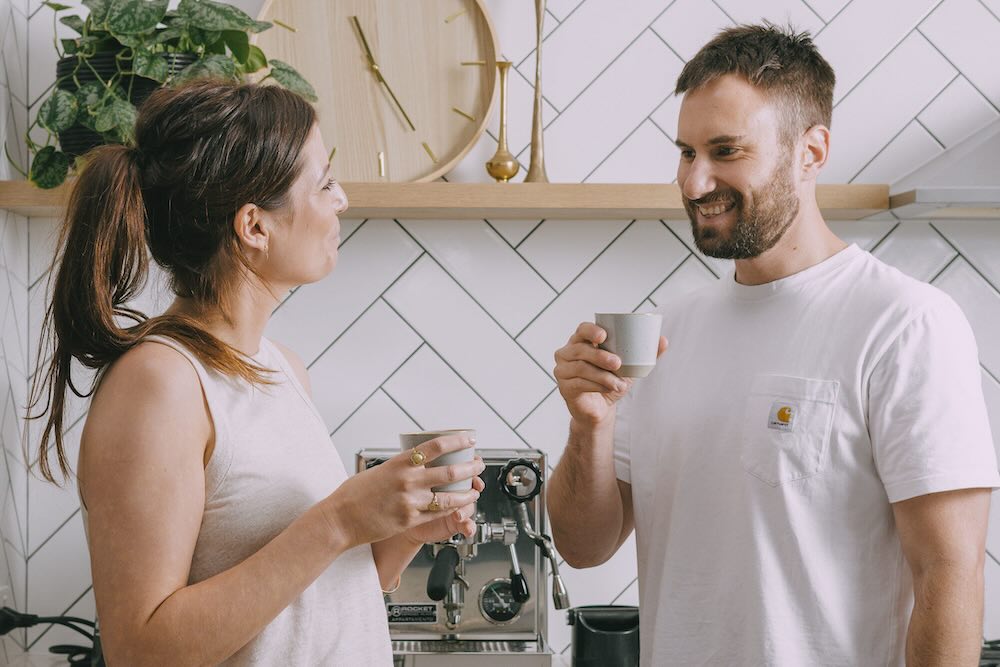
{"x":434,"y":505}
{"x":417,"y":457}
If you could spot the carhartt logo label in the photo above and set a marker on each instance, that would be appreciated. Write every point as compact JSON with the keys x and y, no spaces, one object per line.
{"x":782,"y":416}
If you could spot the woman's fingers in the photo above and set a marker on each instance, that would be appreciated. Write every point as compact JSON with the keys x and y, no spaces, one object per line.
{"x":448,"y":501}
{"x":445,"y":444}
{"x":455,"y":472}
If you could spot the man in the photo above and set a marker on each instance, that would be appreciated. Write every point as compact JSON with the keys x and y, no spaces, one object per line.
{"x":808,"y":470}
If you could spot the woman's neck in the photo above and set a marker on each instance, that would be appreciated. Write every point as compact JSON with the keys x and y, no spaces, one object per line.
{"x":247,"y":317}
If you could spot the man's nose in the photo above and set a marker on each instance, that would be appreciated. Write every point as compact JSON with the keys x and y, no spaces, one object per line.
{"x":696,"y":178}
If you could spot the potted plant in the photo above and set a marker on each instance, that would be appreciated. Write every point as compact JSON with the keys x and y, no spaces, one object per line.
{"x":126,"y":49}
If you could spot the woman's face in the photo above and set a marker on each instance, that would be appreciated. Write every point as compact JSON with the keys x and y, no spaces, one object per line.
{"x":303,"y":247}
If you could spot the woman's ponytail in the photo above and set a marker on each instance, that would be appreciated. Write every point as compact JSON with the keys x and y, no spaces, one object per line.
{"x":101,"y":264}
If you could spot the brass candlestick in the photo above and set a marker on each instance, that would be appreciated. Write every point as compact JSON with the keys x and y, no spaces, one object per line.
{"x":536,"y":169}
{"x":502,"y":166}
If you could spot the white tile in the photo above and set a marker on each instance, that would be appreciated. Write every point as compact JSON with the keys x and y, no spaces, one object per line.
{"x":591,"y":128}
{"x":646,"y":156}
{"x":52,"y":505}
{"x":43,"y":236}
{"x":514,"y":23}
{"x":562,"y":8}
{"x":826,"y":8}
{"x":864,"y":33}
{"x":18,"y":573}
{"x":979,"y":243}
{"x":682,"y":228}
{"x":457,"y":328}
{"x":980,"y":303}
{"x":916,"y":250}
{"x":14,"y":246}
{"x":561,"y":249}
{"x":991,"y":392}
{"x":515,"y":231}
{"x":969,"y":35}
{"x":43,"y":57}
{"x":547,"y":428}
{"x":312,"y":318}
{"x":572,"y":57}
{"x":780,"y":12}
{"x":910,"y":76}
{"x":371,"y":350}
{"x":910,"y":149}
{"x":520,"y":106}
{"x":865,"y":234}
{"x":376,"y":424}
{"x":620,"y":279}
{"x":689,"y":276}
{"x":438,"y":399}
{"x":665,"y":116}
{"x":991,"y":613}
{"x":688,"y":25}
{"x":15,"y":57}
{"x":957,"y":112}
{"x":52,"y":635}
{"x":59,"y":572}
{"x":487,"y":267}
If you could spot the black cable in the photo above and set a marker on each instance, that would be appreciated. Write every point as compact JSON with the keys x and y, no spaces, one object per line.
{"x":75,"y":619}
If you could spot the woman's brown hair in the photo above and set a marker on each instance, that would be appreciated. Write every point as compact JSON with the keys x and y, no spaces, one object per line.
{"x":201,"y":152}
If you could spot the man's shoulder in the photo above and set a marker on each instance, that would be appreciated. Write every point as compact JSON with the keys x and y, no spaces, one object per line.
{"x":886,"y":288}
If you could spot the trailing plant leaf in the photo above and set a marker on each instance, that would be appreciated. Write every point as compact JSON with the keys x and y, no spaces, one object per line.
{"x":56,"y":6}
{"x":58,"y":112}
{"x":49,"y":168}
{"x":239,"y":43}
{"x":289,"y":77}
{"x":209,"y":15}
{"x":135,"y":41}
{"x":167,"y":34}
{"x":203,"y":37}
{"x":73,"y":22}
{"x":260,"y":26}
{"x":132,"y":17}
{"x":212,"y":66}
{"x":69,"y":46}
{"x":150,"y":65}
{"x":116,"y":114}
{"x":98,"y":11}
{"x":256,"y":61}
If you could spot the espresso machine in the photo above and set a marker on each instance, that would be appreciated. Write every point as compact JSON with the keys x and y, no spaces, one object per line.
{"x":481,"y":600}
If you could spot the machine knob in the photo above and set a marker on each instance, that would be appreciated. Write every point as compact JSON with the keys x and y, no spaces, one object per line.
{"x":520,"y":480}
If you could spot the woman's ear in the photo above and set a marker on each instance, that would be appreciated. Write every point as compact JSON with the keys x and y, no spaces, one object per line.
{"x":251,"y":228}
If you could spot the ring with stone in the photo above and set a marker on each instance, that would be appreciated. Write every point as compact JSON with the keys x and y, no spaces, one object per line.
{"x":434,"y":505}
{"x":417,"y":457}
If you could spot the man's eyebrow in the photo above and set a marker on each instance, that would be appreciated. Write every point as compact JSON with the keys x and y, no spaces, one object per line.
{"x":715,"y":141}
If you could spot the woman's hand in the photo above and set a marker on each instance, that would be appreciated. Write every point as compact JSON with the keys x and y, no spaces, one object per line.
{"x":395,"y":496}
{"x":459,"y":521}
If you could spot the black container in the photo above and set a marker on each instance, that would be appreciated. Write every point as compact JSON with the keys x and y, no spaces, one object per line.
{"x":78,"y":139}
{"x":605,"y":636}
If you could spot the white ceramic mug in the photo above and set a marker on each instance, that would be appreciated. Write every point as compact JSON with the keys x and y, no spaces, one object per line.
{"x":634,"y":337}
{"x":411,"y":440}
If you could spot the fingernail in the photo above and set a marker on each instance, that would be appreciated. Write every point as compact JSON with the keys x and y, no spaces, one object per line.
{"x":475,"y":494}
{"x":620,"y":386}
{"x":472,"y":441}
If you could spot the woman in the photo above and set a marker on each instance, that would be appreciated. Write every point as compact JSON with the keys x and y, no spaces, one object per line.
{"x":222,"y":525}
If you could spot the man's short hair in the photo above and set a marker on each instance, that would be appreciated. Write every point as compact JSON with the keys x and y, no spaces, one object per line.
{"x":783,"y":64}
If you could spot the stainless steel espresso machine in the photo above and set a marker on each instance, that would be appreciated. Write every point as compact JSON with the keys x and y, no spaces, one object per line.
{"x":481,"y":600}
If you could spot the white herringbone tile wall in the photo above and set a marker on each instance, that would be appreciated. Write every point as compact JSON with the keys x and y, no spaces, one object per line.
{"x":436,"y":323}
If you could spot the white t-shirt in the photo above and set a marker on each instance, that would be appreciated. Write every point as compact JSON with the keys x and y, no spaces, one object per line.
{"x":764,"y":452}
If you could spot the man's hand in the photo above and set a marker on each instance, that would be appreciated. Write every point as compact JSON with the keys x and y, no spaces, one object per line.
{"x":585,"y":375}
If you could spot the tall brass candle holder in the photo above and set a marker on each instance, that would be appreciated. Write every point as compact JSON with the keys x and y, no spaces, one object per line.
{"x":503,"y":166}
{"x":536,"y":169}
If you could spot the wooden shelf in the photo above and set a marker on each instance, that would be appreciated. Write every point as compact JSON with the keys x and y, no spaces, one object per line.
{"x":447,"y":201}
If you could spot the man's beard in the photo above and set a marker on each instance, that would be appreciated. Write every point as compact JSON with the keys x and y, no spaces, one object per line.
{"x":756,"y":229}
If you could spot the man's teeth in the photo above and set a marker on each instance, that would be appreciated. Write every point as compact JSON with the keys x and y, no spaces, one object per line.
{"x":715,"y":209}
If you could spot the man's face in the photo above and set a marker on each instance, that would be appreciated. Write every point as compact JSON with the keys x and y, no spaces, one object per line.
{"x":735,"y":171}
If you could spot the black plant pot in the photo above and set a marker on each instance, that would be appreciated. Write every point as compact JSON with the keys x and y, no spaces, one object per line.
{"x":79,"y":139}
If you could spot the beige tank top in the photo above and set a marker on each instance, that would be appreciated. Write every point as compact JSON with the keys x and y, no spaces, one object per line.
{"x":273,"y":459}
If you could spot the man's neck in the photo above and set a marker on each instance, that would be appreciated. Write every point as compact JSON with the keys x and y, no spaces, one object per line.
{"x":807,"y":242}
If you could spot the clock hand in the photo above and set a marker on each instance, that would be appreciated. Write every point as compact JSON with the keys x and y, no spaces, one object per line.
{"x":378,"y":72}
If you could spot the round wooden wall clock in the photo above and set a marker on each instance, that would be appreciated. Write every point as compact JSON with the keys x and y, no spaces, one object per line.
{"x":405,"y":87}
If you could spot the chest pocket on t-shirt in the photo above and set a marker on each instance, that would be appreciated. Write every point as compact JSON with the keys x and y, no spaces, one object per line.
{"x":786,"y":428}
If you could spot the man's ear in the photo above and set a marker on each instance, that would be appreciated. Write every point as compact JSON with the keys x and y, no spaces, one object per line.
{"x":250,"y":228}
{"x":815,"y":149}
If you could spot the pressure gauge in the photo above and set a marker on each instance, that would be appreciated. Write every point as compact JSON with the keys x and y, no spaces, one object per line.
{"x":497,"y":604}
